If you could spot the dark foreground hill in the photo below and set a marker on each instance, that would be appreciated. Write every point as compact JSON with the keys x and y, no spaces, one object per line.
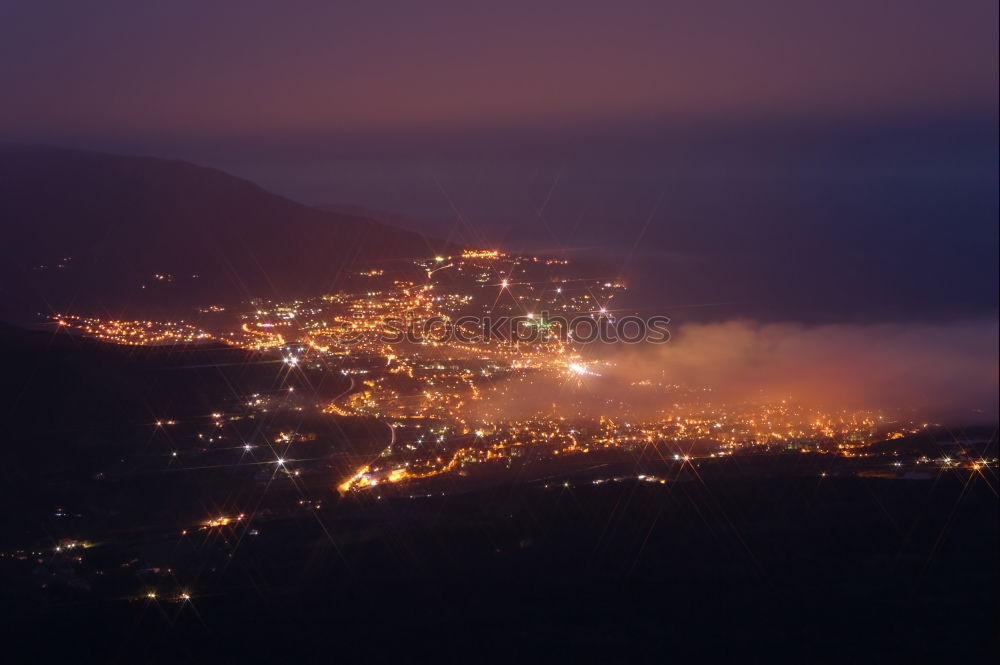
{"x":98,"y":232}
{"x":76,"y":407}
{"x":760,"y":559}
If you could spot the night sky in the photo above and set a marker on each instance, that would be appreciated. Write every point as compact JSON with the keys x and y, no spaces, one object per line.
{"x":788,"y":160}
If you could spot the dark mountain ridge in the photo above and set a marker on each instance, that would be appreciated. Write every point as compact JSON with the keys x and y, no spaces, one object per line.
{"x":97,"y":232}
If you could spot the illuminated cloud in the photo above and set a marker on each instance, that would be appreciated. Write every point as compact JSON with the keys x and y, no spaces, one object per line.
{"x":938,"y":370}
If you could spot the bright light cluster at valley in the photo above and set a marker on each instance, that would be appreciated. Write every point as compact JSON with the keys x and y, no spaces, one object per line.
{"x":445,"y":400}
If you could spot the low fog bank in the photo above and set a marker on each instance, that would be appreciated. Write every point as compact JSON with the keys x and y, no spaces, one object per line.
{"x":947,"y":371}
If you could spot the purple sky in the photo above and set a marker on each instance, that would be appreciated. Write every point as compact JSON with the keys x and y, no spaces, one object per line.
{"x":324,"y":68}
{"x":803,"y":159}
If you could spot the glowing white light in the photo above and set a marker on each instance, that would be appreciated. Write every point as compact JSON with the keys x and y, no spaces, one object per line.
{"x":580,"y":369}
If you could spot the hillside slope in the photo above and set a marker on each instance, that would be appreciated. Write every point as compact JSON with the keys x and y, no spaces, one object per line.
{"x":89,"y":231}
